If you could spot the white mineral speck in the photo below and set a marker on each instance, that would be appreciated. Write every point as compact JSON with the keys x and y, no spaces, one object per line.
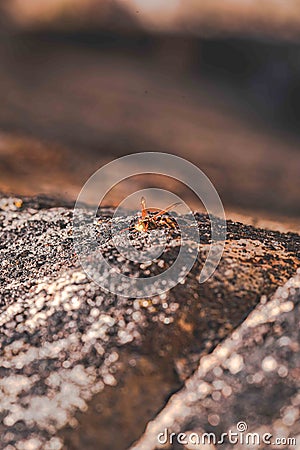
{"x":227,"y":391}
{"x":218,"y":384}
{"x":54,"y":444}
{"x":30,"y":444}
{"x":258,"y":377}
{"x":283,"y":341}
{"x":282,"y":371}
{"x":204,"y":389}
{"x":94,"y":312}
{"x":218,"y":372}
{"x":235,"y":363}
{"x":109,"y":380}
{"x":214,"y":419}
{"x":291,"y":414}
{"x":287,"y":306}
{"x":216,"y":396}
{"x":269,"y":364}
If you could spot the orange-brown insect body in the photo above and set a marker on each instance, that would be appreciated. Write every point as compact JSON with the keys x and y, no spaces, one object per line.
{"x":148,"y":222}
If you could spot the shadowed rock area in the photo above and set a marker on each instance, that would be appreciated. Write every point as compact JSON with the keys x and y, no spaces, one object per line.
{"x":77,"y":363}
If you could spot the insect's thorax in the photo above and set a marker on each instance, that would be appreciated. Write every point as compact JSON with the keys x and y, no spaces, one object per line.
{"x":148,"y":223}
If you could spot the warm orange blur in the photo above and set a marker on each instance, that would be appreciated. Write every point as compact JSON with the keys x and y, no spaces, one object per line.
{"x":217,"y":82}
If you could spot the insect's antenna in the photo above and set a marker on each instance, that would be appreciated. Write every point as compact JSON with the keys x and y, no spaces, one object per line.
{"x":143,"y":207}
{"x":163,"y":211}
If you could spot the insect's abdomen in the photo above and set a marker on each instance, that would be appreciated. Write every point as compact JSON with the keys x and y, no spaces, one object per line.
{"x":164,"y":222}
{"x":153,"y":224}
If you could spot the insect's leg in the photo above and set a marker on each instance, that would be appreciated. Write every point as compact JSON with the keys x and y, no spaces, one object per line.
{"x":143,"y":206}
{"x":125,"y":229}
{"x":163,"y":211}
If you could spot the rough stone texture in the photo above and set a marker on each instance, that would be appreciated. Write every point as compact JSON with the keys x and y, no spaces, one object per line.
{"x":78,"y":364}
{"x":252,"y":377}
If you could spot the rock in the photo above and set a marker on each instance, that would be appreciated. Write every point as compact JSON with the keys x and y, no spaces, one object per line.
{"x":77,"y":363}
{"x":249,"y":384}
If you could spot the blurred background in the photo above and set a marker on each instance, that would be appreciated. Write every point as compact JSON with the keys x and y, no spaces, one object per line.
{"x":214,"y":81}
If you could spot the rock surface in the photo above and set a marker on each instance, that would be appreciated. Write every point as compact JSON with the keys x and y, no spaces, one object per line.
{"x":77,"y":364}
{"x":250,"y":383}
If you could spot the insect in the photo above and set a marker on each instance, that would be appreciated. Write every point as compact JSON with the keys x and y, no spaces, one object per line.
{"x":149,"y":222}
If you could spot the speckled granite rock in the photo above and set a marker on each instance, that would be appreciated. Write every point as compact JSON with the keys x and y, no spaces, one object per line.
{"x":78,"y":364}
{"x":251,"y":380}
